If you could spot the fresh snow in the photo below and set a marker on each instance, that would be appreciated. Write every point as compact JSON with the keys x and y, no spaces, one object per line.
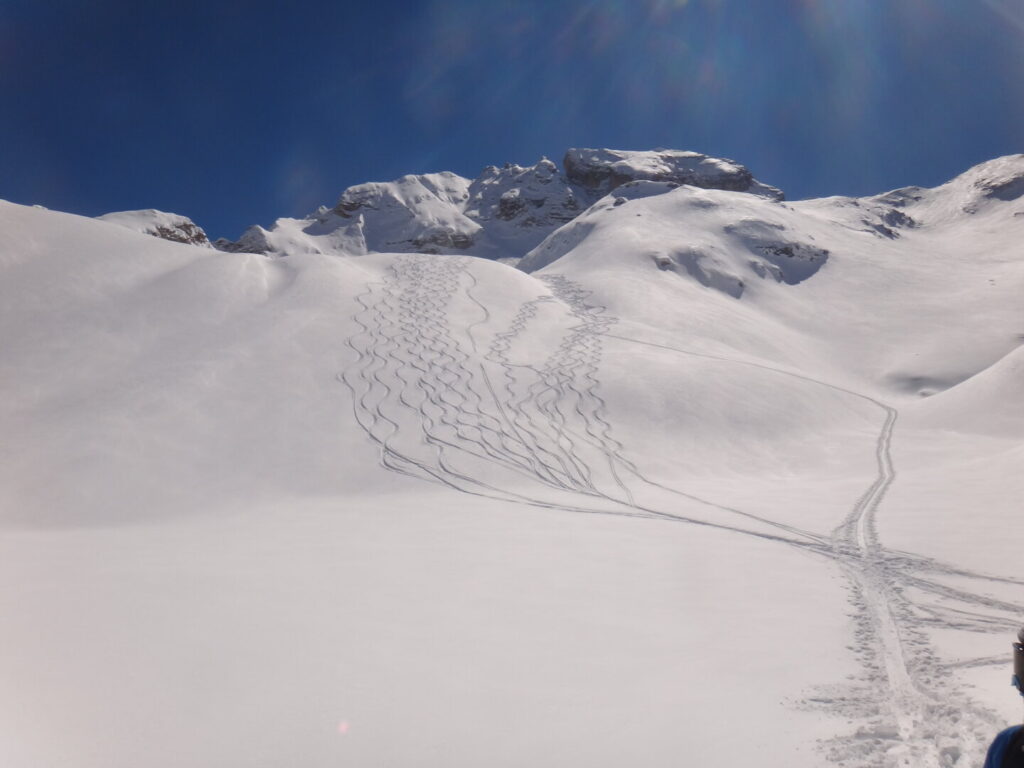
{"x":710,"y":478}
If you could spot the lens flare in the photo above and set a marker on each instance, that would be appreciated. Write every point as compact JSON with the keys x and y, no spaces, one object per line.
{"x":1014,"y":14}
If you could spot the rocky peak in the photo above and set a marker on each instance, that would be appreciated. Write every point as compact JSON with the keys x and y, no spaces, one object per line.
{"x":599,"y":171}
{"x":532,"y":196}
{"x":408,"y":192}
{"x":503,"y":213}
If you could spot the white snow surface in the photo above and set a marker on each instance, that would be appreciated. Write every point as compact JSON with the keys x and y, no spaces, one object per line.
{"x":719,"y":480}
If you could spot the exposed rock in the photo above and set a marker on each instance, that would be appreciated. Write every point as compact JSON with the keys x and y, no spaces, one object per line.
{"x":883,"y":215}
{"x":895,"y":218}
{"x":888,"y":222}
{"x":409,"y":192}
{"x":429,"y":242}
{"x":321,"y":232}
{"x":185,"y":232}
{"x":510,"y":205}
{"x":704,"y":267}
{"x":223,"y":244}
{"x":1003,"y":189}
{"x":994,"y":182}
{"x":599,"y":171}
{"x":168,"y":226}
{"x":531,"y":196}
{"x":253,"y":240}
{"x":778,"y":253}
{"x":414,"y":213}
{"x":901,"y":198}
{"x":502,"y":214}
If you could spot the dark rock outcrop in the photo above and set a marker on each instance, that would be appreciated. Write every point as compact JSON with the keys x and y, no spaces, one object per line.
{"x":167,"y":226}
{"x":599,"y":171}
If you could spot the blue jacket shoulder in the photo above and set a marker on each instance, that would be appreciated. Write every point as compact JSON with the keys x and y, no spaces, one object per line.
{"x":997,"y":751}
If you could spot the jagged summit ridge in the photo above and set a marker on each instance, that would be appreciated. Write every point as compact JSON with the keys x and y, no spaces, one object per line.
{"x":532,"y":196}
{"x":502,"y":214}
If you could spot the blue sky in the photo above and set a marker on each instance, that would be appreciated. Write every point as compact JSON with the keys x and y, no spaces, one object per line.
{"x":235,"y":113}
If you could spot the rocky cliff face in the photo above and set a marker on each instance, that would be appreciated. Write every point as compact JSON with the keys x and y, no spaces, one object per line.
{"x":414,"y":213}
{"x":599,"y":171}
{"x":533,"y":196}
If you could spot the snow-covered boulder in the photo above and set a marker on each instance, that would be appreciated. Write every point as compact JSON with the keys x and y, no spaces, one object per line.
{"x":169,"y":226}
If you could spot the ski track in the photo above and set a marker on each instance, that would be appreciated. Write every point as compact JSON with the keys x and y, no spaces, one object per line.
{"x":538,"y":433}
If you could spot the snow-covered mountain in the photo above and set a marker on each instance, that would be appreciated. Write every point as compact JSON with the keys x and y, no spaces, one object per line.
{"x":343,"y":493}
{"x":502,"y":214}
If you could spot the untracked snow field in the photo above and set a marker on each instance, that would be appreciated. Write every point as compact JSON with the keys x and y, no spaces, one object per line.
{"x":431,"y":510}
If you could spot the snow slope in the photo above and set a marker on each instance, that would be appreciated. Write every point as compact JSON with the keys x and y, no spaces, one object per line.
{"x":708,"y":460}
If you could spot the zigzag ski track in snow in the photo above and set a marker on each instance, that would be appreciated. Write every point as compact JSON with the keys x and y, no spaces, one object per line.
{"x":464,"y":408}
